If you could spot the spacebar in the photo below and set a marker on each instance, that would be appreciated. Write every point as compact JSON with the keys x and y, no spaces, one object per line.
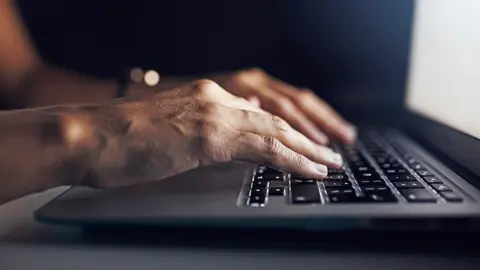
{"x":305,"y":194}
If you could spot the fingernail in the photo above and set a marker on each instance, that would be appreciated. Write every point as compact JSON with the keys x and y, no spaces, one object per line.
{"x":321,"y":169}
{"x":336,"y":158}
{"x":350,"y":132}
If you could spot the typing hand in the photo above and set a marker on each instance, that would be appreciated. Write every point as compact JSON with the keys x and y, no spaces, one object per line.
{"x":195,"y":125}
{"x":301,"y":108}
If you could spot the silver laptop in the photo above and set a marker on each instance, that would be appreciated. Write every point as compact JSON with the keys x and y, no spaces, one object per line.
{"x":428,"y":170}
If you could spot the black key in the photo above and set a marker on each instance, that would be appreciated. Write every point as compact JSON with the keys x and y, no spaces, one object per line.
{"x":381,"y":160}
{"x":358,"y":164}
{"x":392,"y":160}
{"x":396,"y":171}
{"x":376,"y":182}
{"x":340,"y":191}
{"x":418,"y":167}
{"x":397,"y":166}
{"x":412,"y":161}
{"x":441,"y":187}
{"x":386,"y":165}
{"x":305,"y":194}
{"x":363,"y":169}
{"x":257,"y":191}
{"x":424,"y":173}
{"x":404,"y":177}
{"x":332,"y":171}
{"x":260,"y":184}
{"x":300,"y":177}
{"x":418,"y":195}
{"x":344,"y":198}
{"x":337,"y":183}
{"x":257,"y":200}
{"x":450,"y":196}
{"x":367,"y":176}
{"x":408,"y":184}
{"x":303,"y":181}
{"x":386,"y":197}
{"x":276,"y":191}
{"x":375,"y":189}
{"x":336,"y":177}
{"x":270,"y":177}
{"x":265,"y":170}
{"x":432,"y":180}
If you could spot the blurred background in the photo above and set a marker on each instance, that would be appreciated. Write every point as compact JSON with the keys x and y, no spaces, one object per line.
{"x":351,"y":52}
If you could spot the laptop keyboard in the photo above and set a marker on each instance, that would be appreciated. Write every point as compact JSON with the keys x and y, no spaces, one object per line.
{"x":376,"y":170}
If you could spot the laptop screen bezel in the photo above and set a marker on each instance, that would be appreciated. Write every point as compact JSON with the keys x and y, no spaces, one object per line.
{"x":458,"y":147}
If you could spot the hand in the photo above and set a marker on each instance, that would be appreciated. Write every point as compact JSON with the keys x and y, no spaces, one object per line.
{"x":301,"y":108}
{"x":196,"y":125}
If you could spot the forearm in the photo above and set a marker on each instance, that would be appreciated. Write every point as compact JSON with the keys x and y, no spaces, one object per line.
{"x":36,"y":153}
{"x":48,"y":85}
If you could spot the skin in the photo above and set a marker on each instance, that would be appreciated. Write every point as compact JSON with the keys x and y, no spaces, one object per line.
{"x":126,"y":142}
{"x":27,"y":81}
{"x":93,"y":140}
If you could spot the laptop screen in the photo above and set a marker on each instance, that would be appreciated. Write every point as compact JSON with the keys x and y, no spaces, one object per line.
{"x":444,"y":73}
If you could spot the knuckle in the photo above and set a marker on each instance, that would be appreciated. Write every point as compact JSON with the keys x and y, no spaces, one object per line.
{"x":209,"y":109}
{"x":272,"y":146}
{"x":283,"y":104}
{"x":279,"y":123}
{"x":256,"y":71}
{"x":305,"y":94}
{"x":204,"y":88}
{"x":211,"y":142}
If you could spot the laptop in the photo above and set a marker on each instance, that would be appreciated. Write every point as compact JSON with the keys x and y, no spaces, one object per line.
{"x":427,"y":170}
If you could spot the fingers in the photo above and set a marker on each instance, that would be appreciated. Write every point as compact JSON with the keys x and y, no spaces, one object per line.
{"x":273,"y":126}
{"x":284,"y":108}
{"x":318,"y":111}
{"x":271,"y":152}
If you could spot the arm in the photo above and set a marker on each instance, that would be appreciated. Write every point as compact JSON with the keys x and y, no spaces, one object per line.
{"x":121,"y":143}
{"x":35,"y":155}
{"x":27,"y":81}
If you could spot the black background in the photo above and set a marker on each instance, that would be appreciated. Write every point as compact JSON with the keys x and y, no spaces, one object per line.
{"x":350,"y":52}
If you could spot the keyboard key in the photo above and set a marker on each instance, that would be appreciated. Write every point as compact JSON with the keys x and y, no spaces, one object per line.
{"x":257,"y":200}
{"x":305,"y":194}
{"x":258,"y":191}
{"x":432,"y":180}
{"x":368,"y":189}
{"x":276,"y":191}
{"x":344,"y":198}
{"x":450,"y":196}
{"x":386,"y":197}
{"x":358,"y":164}
{"x":418,"y":195}
{"x":363,"y":169}
{"x":337,"y":183}
{"x":340,"y":191}
{"x":418,"y":167}
{"x":396,"y":171}
{"x":408,"y":184}
{"x":367,"y":176}
{"x":424,"y":173}
{"x":269,"y":177}
{"x":376,"y":182}
{"x":303,"y":181}
{"x":332,"y":171}
{"x":265,"y":170}
{"x":401,"y":178}
{"x":441,"y":187}
{"x":260,"y":184}
{"x":336,"y":177}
